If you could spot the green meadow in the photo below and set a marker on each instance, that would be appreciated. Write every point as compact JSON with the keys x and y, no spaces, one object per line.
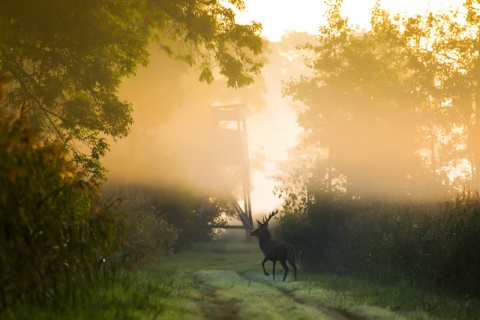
{"x":224,"y":280}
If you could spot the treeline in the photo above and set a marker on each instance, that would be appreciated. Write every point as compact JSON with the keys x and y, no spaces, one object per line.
{"x":431,"y":245}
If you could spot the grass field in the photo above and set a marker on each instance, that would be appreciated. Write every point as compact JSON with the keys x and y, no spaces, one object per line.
{"x":224,"y":280}
{"x":234,"y":272}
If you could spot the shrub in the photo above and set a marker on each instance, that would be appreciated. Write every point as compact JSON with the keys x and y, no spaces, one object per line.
{"x":161,"y":219}
{"x":434,"y":245}
{"x":52,"y":235}
{"x":147,"y":234}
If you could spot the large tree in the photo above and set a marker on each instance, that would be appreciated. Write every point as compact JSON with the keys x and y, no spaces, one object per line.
{"x":396,"y":106}
{"x":361,"y":101}
{"x":450,"y":41}
{"x":66,"y":59}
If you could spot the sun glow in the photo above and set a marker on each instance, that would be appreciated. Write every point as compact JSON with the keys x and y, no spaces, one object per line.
{"x":280,"y":16}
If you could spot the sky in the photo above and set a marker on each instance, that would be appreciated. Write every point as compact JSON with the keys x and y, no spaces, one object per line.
{"x":278,"y":16}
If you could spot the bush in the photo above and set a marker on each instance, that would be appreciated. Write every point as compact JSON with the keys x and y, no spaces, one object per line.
{"x":434,"y":245}
{"x":147,"y":234}
{"x":161,"y":219}
{"x":52,"y":234}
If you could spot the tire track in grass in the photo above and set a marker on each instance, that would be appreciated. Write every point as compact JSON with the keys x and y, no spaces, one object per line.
{"x":334,"y":313}
{"x":214,"y":308}
{"x":255,"y":300}
{"x":328,"y":302}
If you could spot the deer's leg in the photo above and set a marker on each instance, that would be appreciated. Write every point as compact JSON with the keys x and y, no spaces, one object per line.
{"x":285,"y":267}
{"x":273,"y":269}
{"x":292,"y":262}
{"x":263,"y":266}
{"x":291,"y":258}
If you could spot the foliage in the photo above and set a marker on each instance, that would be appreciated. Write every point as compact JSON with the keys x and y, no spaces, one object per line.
{"x":151,"y":293}
{"x":147,"y":235}
{"x":434,"y":245}
{"x":161,"y":220}
{"x":67,"y":59}
{"x":223,"y":280}
{"x":358,"y":102}
{"x":391,"y":107}
{"x":391,"y":113}
{"x":53,"y":232}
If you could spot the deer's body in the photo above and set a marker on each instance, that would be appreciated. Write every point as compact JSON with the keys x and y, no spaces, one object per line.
{"x":275,"y":250}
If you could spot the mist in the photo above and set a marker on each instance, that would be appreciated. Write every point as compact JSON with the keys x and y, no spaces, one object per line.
{"x":169,"y":141}
{"x":348,"y":143}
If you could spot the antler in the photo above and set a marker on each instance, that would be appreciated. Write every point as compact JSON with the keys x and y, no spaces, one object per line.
{"x":264,"y":224}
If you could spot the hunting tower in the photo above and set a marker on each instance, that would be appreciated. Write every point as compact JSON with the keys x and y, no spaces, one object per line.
{"x":227,"y":161}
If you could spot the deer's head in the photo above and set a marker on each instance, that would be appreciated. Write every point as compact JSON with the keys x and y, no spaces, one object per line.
{"x":262,"y":226}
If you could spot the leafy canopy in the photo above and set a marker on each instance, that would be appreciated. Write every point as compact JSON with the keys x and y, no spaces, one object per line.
{"x":384,"y":103}
{"x":67,"y":59}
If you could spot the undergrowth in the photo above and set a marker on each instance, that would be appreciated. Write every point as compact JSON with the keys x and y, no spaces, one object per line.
{"x":151,"y":293}
{"x":430,"y":245}
{"x":194,"y":284}
{"x":402,"y":298}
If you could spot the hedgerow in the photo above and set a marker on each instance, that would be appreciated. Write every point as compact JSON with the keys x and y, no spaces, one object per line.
{"x":433,"y":245}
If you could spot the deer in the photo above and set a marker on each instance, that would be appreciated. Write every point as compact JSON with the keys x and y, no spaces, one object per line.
{"x":274,"y":250}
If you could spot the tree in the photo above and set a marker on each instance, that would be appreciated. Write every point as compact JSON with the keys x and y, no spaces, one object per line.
{"x":361,"y":103}
{"x":450,"y":41}
{"x":396,"y":107}
{"x":67,"y":59}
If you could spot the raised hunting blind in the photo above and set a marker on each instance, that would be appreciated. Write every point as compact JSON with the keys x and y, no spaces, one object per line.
{"x":227,"y":166}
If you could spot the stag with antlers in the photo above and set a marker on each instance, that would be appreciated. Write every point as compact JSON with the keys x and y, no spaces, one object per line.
{"x":274,"y":250}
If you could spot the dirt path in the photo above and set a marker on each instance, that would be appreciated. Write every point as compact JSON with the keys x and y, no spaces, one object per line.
{"x":230,"y":295}
{"x":334,"y":313}
{"x":229,"y":284}
{"x":214,"y":308}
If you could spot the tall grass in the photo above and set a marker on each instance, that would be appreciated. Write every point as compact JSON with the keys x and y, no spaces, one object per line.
{"x":432,"y":245}
{"x":151,"y":293}
{"x":225,"y":281}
